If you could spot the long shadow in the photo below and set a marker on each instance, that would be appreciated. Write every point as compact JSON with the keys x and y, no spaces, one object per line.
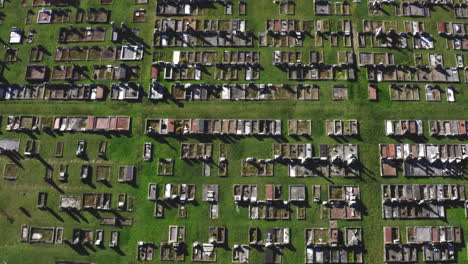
{"x":56,"y":187}
{"x":77,"y":248}
{"x":118,"y":251}
{"x":52,"y":212}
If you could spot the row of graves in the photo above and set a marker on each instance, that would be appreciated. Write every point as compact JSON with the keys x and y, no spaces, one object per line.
{"x":99,"y":53}
{"x":321,"y":72}
{"x":62,"y":16}
{"x":396,"y":34}
{"x":180,"y":196}
{"x":252,"y":167}
{"x":81,"y":34}
{"x":410,"y":92}
{"x":401,"y":73}
{"x":330,"y":245}
{"x":333,"y":160}
{"x":92,"y":202}
{"x":40,"y":73}
{"x":404,"y":128}
{"x":36,"y":73}
{"x":423,"y":160}
{"x":376,"y":58}
{"x":455,"y":34}
{"x":448,"y":128}
{"x":452,"y":29}
{"x":193,"y":8}
{"x":122,"y":72}
{"x":404,"y":92}
{"x":129,"y":91}
{"x":272,"y":207}
{"x":189,"y":65}
{"x":342,"y":128}
{"x":55,"y":235}
{"x":434,"y":93}
{"x":437,"y":243}
{"x":291,"y":32}
{"x":412,"y":9}
{"x":420,"y":201}
{"x":49,"y":16}
{"x":287,"y":59}
{"x":343,"y":203}
{"x":69,"y":123}
{"x":175,"y":248}
{"x":213,"y":127}
{"x":250,"y":92}
{"x":201,"y":33}
{"x":330,"y":8}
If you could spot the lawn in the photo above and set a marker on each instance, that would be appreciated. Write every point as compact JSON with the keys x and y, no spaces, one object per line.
{"x":127,"y":149}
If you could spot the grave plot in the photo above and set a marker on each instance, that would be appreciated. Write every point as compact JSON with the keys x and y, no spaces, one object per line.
{"x":292,"y":151}
{"x":103,"y":173}
{"x":299,"y":127}
{"x":36,"y":54}
{"x":348,"y":206}
{"x":242,"y":8}
{"x":279,"y":40}
{"x":269,"y":211}
{"x":98,"y":16}
{"x":11,"y":55}
{"x":203,"y":151}
{"x":120,"y":222}
{"x":68,"y":72}
{"x":32,"y":147}
{"x":448,"y":128}
{"x":10,"y":171}
{"x":207,"y":58}
{"x":254,"y":167}
{"x":53,"y":16}
{"x":125,"y":202}
{"x":404,"y":92}
{"x":287,"y":7}
{"x":35,"y":234}
{"x":126,"y":174}
{"x":97,"y":201}
{"x":343,"y":159}
{"x":342,"y":127}
{"x":433,"y":93}
{"x":223,"y":161}
{"x":240,"y":254}
{"x":36,"y":73}
{"x":23,"y":123}
{"x":125,"y":91}
{"x":244,"y":193}
{"x":122,"y":72}
{"x":340,"y":92}
{"x":286,"y":57}
{"x":166,"y":167}
{"x":309,"y":168}
{"x":403,"y":127}
{"x":139,"y":15}
{"x":170,"y":252}
{"x":334,"y":245}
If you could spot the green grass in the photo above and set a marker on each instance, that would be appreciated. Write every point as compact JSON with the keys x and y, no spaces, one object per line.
{"x":127,"y":150}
